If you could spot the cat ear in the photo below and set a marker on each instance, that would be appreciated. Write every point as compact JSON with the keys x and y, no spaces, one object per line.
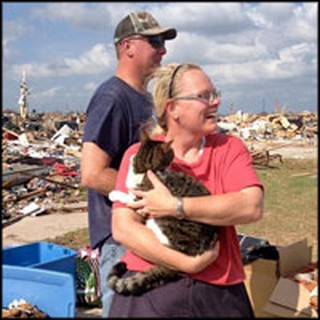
{"x":144,"y":134}
{"x":167,"y":145}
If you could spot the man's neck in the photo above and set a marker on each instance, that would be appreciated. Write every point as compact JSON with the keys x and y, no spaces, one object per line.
{"x":135,"y":81}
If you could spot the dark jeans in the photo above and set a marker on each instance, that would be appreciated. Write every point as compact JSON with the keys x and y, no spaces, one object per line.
{"x":185,"y":298}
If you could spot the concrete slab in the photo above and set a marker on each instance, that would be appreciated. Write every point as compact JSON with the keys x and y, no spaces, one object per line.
{"x":32,"y":229}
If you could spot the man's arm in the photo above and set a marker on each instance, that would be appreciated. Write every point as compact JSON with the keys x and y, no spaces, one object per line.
{"x":95,"y":169}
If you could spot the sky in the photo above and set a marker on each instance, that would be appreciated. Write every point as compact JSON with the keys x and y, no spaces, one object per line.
{"x":261,"y":55}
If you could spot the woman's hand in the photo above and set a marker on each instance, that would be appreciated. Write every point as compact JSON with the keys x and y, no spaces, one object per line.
{"x":155,"y":203}
{"x":129,"y":229}
{"x":200,"y":262}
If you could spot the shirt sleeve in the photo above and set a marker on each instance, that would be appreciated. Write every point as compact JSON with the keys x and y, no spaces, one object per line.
{"x":239,"y":172}
{"x":106,"y":125}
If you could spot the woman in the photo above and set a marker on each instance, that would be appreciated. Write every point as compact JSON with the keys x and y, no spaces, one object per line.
{"x":186,"y":104}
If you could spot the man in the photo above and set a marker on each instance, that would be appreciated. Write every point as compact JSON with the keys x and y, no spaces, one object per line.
{"x":113,"y":119}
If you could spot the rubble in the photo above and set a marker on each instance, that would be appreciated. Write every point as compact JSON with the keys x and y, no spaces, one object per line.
{"x":280,"y":129}
{"x":41,"y":155}
{"x":22,"y":309}
{"x":272,"y":126}
{"x":39,"y":169}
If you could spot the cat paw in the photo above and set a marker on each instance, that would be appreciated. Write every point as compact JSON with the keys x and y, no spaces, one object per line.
{"x":120,"y":196}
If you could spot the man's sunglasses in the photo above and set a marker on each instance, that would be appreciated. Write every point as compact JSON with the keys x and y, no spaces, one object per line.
{"x":156,"y":42}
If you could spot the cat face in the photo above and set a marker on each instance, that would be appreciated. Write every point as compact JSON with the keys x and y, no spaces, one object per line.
{"x":153,"y":155}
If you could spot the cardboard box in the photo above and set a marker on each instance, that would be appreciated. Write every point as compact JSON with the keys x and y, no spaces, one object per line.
{"x":289,"y":298}
{"x":271,"y":294}
{"x":260,"y":281}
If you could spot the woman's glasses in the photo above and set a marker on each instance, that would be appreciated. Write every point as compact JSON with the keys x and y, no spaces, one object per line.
{"x":205,"y":96}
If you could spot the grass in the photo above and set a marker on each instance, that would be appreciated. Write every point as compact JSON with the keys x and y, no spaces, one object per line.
{"x":73,"y":240}
{"x":290,"y":207}
{"x":290,"y":204}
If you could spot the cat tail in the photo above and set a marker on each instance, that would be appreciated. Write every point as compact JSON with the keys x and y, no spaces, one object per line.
{"x":141,"y":282}
{"x":117,"y":271}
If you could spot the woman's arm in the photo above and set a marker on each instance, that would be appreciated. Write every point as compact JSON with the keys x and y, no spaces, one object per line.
{"x":129,"y":229}
{"x":232,"y":208}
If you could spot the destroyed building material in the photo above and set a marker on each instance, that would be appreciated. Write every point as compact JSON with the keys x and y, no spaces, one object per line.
{"x":67,"y":185}
{"x":263,"y":158}
{"x":25,"y":196}
{"x":61,"y":135}
{"x":19,"y":174}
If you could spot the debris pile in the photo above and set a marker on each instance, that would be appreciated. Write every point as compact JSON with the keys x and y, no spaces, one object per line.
{"x":276,"y":126}
{"x":308,"y":277}
{"x":41,"y":155}
{"x":22,"y":309}
{"x":41,"y":165}
{"x":277,"y":129}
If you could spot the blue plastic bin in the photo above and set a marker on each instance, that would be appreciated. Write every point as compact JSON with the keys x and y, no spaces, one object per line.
{"x":43,"y":274}
{"x":52,"y":292}
{"x":42,"y":255}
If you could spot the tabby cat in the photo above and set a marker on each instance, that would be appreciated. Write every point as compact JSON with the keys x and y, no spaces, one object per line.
{"x":191,"y":238}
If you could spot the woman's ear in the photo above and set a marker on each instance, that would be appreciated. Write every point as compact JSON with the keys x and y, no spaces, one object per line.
{"x":172,"y":110}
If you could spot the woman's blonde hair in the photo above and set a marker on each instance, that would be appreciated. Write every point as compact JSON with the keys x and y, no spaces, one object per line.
{"x":166,"y":86}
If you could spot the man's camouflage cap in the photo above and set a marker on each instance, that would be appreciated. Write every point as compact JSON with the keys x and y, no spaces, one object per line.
{"x":141,"y":23}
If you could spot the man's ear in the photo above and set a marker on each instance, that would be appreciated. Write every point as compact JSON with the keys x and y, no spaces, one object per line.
{"x":127,"y":47}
